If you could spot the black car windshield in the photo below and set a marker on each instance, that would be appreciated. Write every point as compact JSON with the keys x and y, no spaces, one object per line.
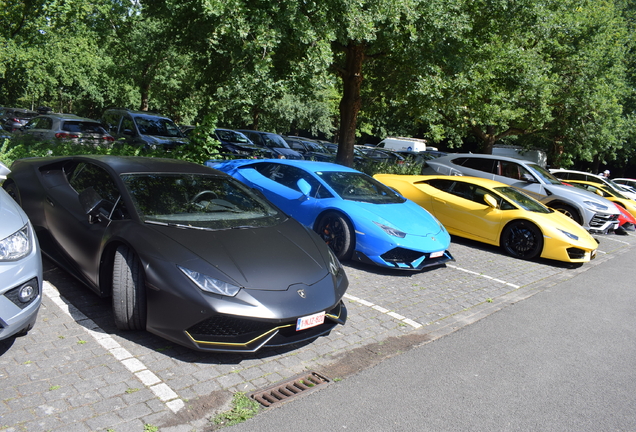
{"x":354,"y":186}
{"x":198,"y":201}
{"x":274,"y":141}
{"x":232,"y":136}
{"x":157,"y":127}
{"x":544,"y":174}
{"x":522,"y":200}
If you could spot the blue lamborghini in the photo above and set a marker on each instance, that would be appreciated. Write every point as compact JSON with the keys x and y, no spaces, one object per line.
{"x":357,"y":216}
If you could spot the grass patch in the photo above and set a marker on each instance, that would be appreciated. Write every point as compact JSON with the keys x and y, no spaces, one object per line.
{"x":243,"y":408}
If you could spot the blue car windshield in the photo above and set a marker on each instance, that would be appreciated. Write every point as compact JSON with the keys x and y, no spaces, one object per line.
{"x":354,"y":186}
{"x":198,"y":201}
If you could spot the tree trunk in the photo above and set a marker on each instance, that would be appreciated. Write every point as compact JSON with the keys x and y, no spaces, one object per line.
{"x":350,"y":103}
{"x":145,"y":95}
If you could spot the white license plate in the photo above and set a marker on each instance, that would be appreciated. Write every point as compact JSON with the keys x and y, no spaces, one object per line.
{"x":436,"y":254}
{"x":310,"y":321}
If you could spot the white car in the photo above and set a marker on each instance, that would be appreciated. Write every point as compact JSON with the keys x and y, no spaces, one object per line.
{"x":20,"y":268}
{"x":566,"y":175}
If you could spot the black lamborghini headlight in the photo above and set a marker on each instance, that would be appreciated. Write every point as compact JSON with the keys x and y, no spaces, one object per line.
{"x":209,"y":284}
{"x":334,"y":264}
{"x":16,"y":246}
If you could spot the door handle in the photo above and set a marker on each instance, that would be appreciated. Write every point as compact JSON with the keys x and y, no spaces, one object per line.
{"x":440,"y":200}
{"x":50,"y":201}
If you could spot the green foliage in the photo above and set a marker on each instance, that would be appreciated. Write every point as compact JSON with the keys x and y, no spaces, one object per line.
{"x":243,"y":408}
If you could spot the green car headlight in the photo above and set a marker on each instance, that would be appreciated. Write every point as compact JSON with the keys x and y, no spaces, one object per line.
{"x":209,"y":284}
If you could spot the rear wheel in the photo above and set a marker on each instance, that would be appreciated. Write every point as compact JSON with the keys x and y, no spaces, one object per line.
{"x":569,"y":211}
{"x":522,"y":239}
{"x":336,"y":231}
{"x":129,"y":291}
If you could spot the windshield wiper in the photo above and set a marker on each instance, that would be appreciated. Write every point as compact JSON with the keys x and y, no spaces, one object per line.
{"x":176,"y":225}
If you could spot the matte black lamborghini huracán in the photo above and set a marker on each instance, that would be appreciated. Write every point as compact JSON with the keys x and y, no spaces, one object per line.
{"x":185,"y":251}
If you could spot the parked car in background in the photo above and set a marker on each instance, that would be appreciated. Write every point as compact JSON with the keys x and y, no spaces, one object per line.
{"x":568,"y":175}
{"x":608,"y":193}
{"x":185,"y":252}
{"x":625,"y":182}
{"x":235,"y":144}
{"x":20,"y":267}
{"x":12,"y":119}
{"x":380,"y":156}
{"x":311,"y":150}
{"x":142,"y":128}
{"x":272,"y":141}
{"x":594,"y":213}
{"x":69,"y":127}
{"x":496,"y":213}
{"x":358,"y":217}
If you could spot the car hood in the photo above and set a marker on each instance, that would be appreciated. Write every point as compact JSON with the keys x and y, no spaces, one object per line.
{"x":407,"y":217}
{"x":269,"y":259}
{"x":11,"y":215}
{"x":575,"y":193}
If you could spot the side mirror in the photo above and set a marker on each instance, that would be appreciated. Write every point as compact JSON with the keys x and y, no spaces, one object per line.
{"x":95,"y":207}
{"x":528,"y":178}
{"x":305,"y":188}
{"x":128,"y":132}
{"x":491,"y":201}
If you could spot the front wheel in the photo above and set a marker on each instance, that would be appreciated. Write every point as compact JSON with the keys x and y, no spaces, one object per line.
{"x":336,"y":231}
{"x":522,"y":239}
{"x":569,"y":211}
{"x":129,"y":291}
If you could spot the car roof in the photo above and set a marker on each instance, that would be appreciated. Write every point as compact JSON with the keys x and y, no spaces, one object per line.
{"x":485,"y":156}
{"x":67,"y":117}
{"x":131,"y":164}
{"x":308,"y":165}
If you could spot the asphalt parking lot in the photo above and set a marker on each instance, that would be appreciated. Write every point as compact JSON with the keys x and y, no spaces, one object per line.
{"x":76,"y":372}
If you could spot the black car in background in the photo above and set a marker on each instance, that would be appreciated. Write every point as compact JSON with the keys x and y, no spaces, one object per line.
{"x":274,"y":142}
{"x":142,"y":128}
{"x":184,"y":251}
{"x":310,"y":149}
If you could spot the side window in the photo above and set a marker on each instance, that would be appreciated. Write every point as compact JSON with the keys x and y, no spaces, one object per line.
{"x":512,"y":170}
{"x":127,"y":124}
{"x":443,"y":185}
{"x":288,"y":176}
{"x":87,"y":175}
{"x":111,"y":122}
{"x":480,"y":164}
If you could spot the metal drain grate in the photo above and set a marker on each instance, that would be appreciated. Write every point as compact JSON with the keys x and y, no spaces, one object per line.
{"x":278,"y":393}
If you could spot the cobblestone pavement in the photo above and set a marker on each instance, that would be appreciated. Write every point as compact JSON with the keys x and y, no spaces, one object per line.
{"x":76,"y":372}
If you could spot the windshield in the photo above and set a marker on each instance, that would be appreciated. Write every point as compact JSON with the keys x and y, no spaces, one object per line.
{"x":157,"y":127}
{"x":232,"y":136}
{"x":522,"y":200}
{"x":83,"y":127}
{"x":198,"y":201}
{"x":544,"y":174}
{"x":275,"y":141}
{"x":354,"y":186}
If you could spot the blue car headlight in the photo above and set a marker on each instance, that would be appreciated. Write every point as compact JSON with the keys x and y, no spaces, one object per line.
{"x":209,"y":284}
{"x":595,"y":206}
{"x":15,"y":246}
{"x":570,"y":235}
{"x":391,"y":231}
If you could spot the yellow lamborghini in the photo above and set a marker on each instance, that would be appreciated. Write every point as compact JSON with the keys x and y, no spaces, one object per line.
{"x":627,"y":203}
{"x":495,"y":213}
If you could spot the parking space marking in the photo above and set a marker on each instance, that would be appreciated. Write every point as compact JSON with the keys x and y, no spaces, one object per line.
{"x":483,"y":275}
{"x":619,"y":241}
{"x":384,"y":311}
{"x":136,"y":367}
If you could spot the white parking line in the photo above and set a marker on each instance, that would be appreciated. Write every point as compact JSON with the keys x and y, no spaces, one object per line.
{"x":148,"y":378}
{"x":482,"y":275}
{"x":613,"y":239}
{"x":384,"y":311}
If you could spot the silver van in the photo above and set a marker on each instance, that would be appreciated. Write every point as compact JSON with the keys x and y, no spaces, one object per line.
{"x":594,"y":213}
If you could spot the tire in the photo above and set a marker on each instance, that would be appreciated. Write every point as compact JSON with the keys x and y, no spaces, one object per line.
{"x":336,"y":231}
{"x":129,"y":291}
{"x":569,"y":211}
{"x":522,"y":239}
{"x":12,"y":189}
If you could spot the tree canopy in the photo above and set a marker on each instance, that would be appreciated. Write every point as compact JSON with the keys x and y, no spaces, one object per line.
{"x":553,"y":74}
